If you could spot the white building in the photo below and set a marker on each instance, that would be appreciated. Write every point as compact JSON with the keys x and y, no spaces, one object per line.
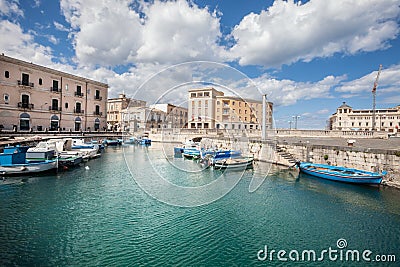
{"x":143,"y":118}
{"x":346,"y":118}
{"x":177,"y":117}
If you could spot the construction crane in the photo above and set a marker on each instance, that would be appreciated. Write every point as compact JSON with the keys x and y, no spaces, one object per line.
{"x":374,"y":97}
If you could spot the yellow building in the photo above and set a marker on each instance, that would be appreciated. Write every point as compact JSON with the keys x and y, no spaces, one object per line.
{"x":38,"y":98}
{"x":209,"y":108}
{"x":238,"y":113}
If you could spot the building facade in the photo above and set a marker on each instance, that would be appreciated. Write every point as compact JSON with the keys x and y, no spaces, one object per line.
{"x":38,"y":98}
{"x":139,"y":119}
{"x":202,"y":108}
{"x":346,"y":119}
{"x":211,"y":109}
{"x":176,"y":117}
{"x":115,"y":108}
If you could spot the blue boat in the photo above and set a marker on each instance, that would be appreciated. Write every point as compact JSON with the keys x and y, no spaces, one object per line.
{"x":341,"y":174}
{"x":145,"y":141}
{"x":22,"y":160}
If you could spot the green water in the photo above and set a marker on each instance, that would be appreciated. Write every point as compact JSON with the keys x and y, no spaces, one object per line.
{"x":101,"y":217}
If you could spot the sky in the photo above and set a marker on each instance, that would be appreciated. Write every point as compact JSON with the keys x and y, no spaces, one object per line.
{"x":308,"y":56}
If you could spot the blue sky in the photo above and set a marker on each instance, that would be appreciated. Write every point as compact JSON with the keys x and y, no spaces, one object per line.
{"x":308,"y":56}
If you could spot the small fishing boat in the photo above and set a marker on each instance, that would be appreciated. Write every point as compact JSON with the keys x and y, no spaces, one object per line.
{"x":88,"y":150}
{"x":341,"y":174}
{"x":234,"y":163}
{"x":145,"y":141}
{"x":112,"y":142}
{"x":17,"y":161}
{"x":67,"y":159}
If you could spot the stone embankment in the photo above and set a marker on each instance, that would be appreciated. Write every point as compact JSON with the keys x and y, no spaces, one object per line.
{"x":367,"y":154}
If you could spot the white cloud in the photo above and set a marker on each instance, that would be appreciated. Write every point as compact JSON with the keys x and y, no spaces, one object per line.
{"x":112,"y":33}
{"x":288,"y":92}
{"x":60,"y":27}
{"x":288,"y":32}
{"x":106,"y":32}
{"x":21,"y":45}
{"x":10,"y":8}
{"x":388,"y":82}
{"x":177,"y":31}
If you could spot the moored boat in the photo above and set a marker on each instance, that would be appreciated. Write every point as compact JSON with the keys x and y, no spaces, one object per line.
{"x":234,"y":163}
{"x":341,"y":174}
{"x":17,"y":161}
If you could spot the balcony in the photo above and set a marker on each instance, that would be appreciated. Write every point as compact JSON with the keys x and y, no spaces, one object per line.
{"x":79,"y":111}
{"x":22,"y":83}
{"x":55,"y":89}
{"x":97,"y":97}
{"x":55,"y":108}
{"x":97,"y":113}
{"x":25,"y":105}
{"x":78,"y":94}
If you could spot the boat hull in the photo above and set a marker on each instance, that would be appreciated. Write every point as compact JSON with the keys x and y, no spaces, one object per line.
{"x":25,"y":169}
{"x":360,"y":177}
{"x":234,"y":164}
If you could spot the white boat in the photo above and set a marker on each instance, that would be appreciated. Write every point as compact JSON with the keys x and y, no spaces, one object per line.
{"x":234,"y":163}
{"x":88,"y":151}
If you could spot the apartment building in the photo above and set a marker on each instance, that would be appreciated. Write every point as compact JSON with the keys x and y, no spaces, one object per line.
{"x":176,"y":116}
{"x":202,"y":108}
{"x":209,"y":108}
{"x":143,"y":118}
{"x":346,"y":118}
{"x":35,"y":97}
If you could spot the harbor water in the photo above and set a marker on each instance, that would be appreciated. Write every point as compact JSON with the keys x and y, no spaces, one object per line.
{"x":104,"y":215}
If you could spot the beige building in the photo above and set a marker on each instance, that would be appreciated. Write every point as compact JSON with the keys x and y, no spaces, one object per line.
{"x":209,"y":108}
{"x":38,"y":98}
{"x":115,"y":107}
{"x":346,"y":118}
{"x":176,"y":117}
{"x":202,"y":108}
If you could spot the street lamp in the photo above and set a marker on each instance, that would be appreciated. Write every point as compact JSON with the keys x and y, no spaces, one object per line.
{"x":295,"y":118}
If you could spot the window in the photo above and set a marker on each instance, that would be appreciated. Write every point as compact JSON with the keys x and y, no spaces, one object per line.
{"x":206,"y":93}
{"x":96,"y":124}
{"x":25,"y":100}
{"x":66,"y":105}
{"x":77,"y":124}
{"x":55,"y":85}
{"x":54,"y":104}
{"x":6,"y":98}
{"x":25,"y":79}
{"x":40,"y":81}
{"x":97,"y":110}
{"x":97,"y":95}
{"x":78,"y":107}
{"x":24,"y":119}
{"x":54,"y":123}
{"x":7,"y":74}
{"x":193,"y":95}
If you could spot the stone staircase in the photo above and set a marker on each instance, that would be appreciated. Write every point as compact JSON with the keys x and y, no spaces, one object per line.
{"x":286,"y":155}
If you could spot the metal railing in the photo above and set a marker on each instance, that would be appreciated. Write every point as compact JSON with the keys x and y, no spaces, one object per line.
{"x":25,"y":83}
{"x":79,"y":111}
{"x":25,"y":105}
